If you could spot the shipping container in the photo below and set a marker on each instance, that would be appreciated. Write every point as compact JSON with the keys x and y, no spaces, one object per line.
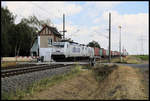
{"x":101,"y":52}
{"x":118,"y":53}
{"x":96,"y":51}
{"x":115,"y":53}
{"x":107,"y":52}
{"x":104,"y":52}
{"x":111,"y":53}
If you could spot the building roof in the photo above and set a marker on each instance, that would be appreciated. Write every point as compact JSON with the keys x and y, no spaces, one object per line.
{"x":53,"y":29}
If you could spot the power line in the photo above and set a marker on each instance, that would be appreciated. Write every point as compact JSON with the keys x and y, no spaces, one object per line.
{"x":43,"y":10}
{"x":141,"y":39}
{"x":72,"y":34}
{"x":102,"y":34}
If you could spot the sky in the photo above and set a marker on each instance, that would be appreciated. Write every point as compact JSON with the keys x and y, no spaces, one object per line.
{"x":89,"y":20}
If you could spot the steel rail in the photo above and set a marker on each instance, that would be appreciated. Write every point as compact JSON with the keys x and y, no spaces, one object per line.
{"x":12,"y":72}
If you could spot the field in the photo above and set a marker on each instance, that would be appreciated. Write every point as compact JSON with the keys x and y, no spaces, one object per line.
{"x":12,"y":61}
{"x":131,"y":59}
{"x":143,"y":57}
{"x":7,"y":64}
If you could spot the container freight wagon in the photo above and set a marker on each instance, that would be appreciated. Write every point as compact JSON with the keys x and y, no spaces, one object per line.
{"x":107,"y":53}
{"x":103,"y":53}
{"x":118,"y":53}
{"x":111,"y":53}
{"x":96,"y":53}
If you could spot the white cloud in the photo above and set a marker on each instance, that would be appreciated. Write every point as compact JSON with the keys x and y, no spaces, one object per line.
{"x":133,"y":27}
{"x":43,"y":10}
{"x":95,"y":8}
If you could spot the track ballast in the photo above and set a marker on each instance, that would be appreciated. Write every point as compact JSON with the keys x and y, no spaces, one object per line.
{"x":23,"y":70}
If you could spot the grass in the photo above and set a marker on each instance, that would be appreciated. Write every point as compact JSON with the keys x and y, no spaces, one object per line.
{"x":6,"y":64}
{"x":137,"y":59}
{"x":143,"y":57}
{"x":118,"y":83}
{"x":102,"y":71}
{"x":131,"y":59}
{"x":115,"y":60}
{"x":41,"y":85}
{"x":86,"y":67}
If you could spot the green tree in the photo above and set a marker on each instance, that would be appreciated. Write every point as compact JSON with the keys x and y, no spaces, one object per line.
{"x":7,"y":22}
{"x":17,"y":39}
{"x":23,"y":35}
{"x":94,"y":44}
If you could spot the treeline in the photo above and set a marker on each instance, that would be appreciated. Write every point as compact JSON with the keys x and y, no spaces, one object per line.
{"x":17,"y":39}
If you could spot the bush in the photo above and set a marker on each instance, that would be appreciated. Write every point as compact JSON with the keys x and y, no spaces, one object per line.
{"x":102,"y":71}
{"x":143,"y":57}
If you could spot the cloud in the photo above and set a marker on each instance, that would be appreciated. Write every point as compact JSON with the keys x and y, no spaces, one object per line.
{"x":43,"y":10}
{"x":93,"y":22}
{"x":133,"y":27}
{"x":95,"y":8}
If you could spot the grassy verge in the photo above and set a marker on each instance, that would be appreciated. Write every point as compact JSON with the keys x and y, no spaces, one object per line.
{"x":41,"y":85}
{"x":137,"y":59}
{"x":143,"y":57}
{"x":115,"y":60}
{"x":119,"y":83}
{"x":7,"y":64}
{"x":102,"y":71}
{"x":131,"y":59}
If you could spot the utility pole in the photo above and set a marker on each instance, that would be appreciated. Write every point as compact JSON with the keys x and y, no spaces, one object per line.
{"x":109,"y":37}
{"x":64,"y":26}
{"x":141,"y":46}
{"x":120,"y":44}
{"x":142,"y":49}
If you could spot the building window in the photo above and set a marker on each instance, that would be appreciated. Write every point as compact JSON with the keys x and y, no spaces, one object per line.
{"x":49,"y":41}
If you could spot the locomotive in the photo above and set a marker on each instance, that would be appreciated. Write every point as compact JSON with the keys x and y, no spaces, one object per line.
{"x":71,"y":51}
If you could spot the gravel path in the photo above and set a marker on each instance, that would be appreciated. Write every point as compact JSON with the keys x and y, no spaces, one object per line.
{"x":24,"y":80}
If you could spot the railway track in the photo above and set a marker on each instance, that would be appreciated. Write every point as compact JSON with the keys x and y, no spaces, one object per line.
{"x":23,"y":70}
{"x":19,"y":66}
{"x":27,"y":68}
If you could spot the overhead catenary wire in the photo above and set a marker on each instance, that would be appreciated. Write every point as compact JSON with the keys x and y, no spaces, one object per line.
{"x":44,"y":11}
{"x":142,"y":48}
